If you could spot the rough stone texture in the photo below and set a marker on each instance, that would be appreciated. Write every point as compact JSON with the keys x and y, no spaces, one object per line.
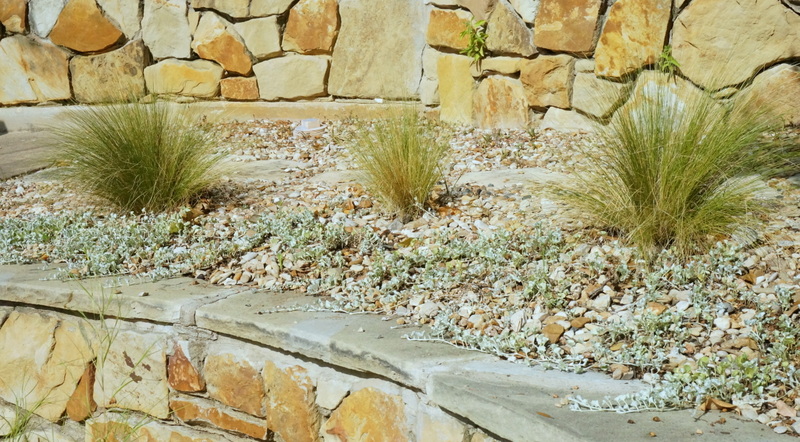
{"x":561,"y":120}
{"x":133,"y":375}
{"x":215,"y":39}
{"x":507,"y":34}
{"x":125,"y":13}
{"x":794,"y":5}
{"x":497,"y":65}
{"x":548,"y":80}
{"x":720,"y":43}
{"x":369,"y":414}
{"x":239,"y":88}
{"x":292,"y":77}
{"x":181,"y":374}
{"x":445,"y":27}
{"x":158,"y":432}
{"x":456,"y":87}
{"x":82,"y":27}
{"x":331,"y":390}
{"x":14,"y":15}
{"x":500,"y":103}
{"x":235,"y":383}
{"x":165,"y":29}
{"x":199,"y":78}
{"x":479,"y":8}
{"x":43,"y":14}
{"x":633,"y":36}
{"x":527,"y":9}
{"x":598,"y":97}
{"x":81,"y":404}
{"x":312,"y":27}
{"x":374,"y":42}
{"x":262,"y":8}
{"x":291,"y":411}
{"x":262,"y":36}
{"x":233,"y":8}
{"x":202,"y":411}
{"x":568,"y":26}
{"x":777,"y":90}
{"x":435,"y":426}
{"x":32,"y":71}
{"x":105,"y":77}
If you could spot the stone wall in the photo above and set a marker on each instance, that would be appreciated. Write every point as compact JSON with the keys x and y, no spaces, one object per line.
{"x":550,"y":58}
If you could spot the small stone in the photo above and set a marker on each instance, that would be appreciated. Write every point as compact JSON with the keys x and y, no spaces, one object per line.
{"x":602,"y":302}
{"x":553,"y":332}
{"x":580,"y":322}
{"x":722,"y":323}
{"x":428,"y":309}
{"x":239,"y":88}
{"x":656,"y":308}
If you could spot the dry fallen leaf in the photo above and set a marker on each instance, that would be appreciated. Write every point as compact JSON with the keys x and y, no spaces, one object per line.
{"x":716,"y":404}
{"x":784,"y":409}
{"x":656,"y":419}
{"x":652,"y":434}
{"x":544,"y":415}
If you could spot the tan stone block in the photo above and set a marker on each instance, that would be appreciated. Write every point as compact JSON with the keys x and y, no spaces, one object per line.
{"x":369,"y":414}
{"x":215,"y":39}
{"x":568,"y":26}
{"x":13,"y":15}
{"x":497,"y":65}
{"x":181,"y":373}
{"x":165,"y":28}
{"x":777,"y":90}
{"x":201,"y":411}
{"x":105,"y":77}
{"x":561,"y":120}
{"x":548,"y":80}
{"x":239,"y":88}
{"x":81,"y":404}
{"x":596,"y":96}
{"x":479,"y":8}
{"x":263,"y":8}
{"x":125,"y":13}
{"x":292,"y":77}
{"x":500,"y":104}
{"x":32,"y":71}
{"x":104,"y":430}
{"x":235,"y":383}
{"x":262,"y":36}
{"x":456,"y":88}
{"x":233,"y":8}
{"x":82,"y":27}
{"x":479,"y":436}
{"x":507,"y":34}
{"x":312,"y":27}
{"x":445,"y":27}
{"x":436,"y":426}
{"x":199,"y":78}
{"x":291,"y":408}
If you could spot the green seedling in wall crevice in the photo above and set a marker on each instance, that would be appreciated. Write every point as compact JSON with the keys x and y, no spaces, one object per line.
{"x":476,"y":47}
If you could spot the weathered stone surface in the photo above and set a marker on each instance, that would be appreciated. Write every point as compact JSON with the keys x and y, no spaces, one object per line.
{"x":82,"y":27}
{"x":133,"y":375}
{"x":507,"y":33}
{"x":239,"y":88}
{"x":777,"y":90}
{"x":331,"y":390}
{"x":436,"y":426}
{"x":105,"y":77}
{"x":262,"y":8}
{"x":500,"y":103}
{"x":14,"y":15}
{"x":32,"y":71}
{"x":497,"y":65}
{"x":561,"y":120}
{"x":312,"y":27}
{"x":633,"y":36}
{"x":479,"y":8}
{"x":181,"y":374}
{"x":125,"y":13}
{"x":445,"y":27}
{"x":235,"y":383}
{"x":374,"y":42}
{"x":794,"y":5}
{"x":199,"y":78}
{"x":568,"y":26}
{"x":195,"y":410}
{"x":215,"y":39}
{"x":456,"y":87}
{"x":548,"y":80}
{"x":159,"y":432}
{"x":262,"y":36}
{"x":81,"y":404}
{"x":527,"y":9}
{"x":371,"y":414}
{"x":429,"y":85}
{"x":292,"y":77}
{"x":720,"y":43}
{"x":233,"y":8}
{"x":43,"y":15}
{"x":291,"y":411}
{"x":596,"y":96}
{"x":165,"y":29}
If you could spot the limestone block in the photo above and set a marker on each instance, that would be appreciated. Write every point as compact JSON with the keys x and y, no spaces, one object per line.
{"x":159,"y":432}
{"x":263,"y":8}
{"x":4,"y":312}
{"x":165,"y":29}
{"x":445,"y":27}
{"x":239,"y":88}
{"x":567,"y":26}
{"x":434,"y":425}
{"x":507,"y":34}
{"x":125,"y":13}
{"x":292,"y":77}
{"x":233,"y":8}
{"x":481,"y":9}
{"x":500,"y":103}
{"x":429,"y":85}
{"x":721,"y":43}
{"x":14,"y":15}
{"x":497,"y":65}
{"x":561,"y":120}
{"x":82,"y":27}
{"x":777,"y":90}
{"x":331,"y":390}
{"x":215,"y":39}
{"x":235,"y":383}
{"x":369,"y":414}
{"x":456,"y":88}
{"x":198,"y":78}
{"x":43,"y":15}
{"x":377,"y":52}
{"x":527,"y":9}
{"x":32,"y":71}
{"x":312,"y":27}
{"x":81,"y":403}
{"x":202,"y":411}
{"x":429,"y":92}
{"x":262,"y":36}
{"x":133,"y":375}
{"x":113,"y":76}
{"x":633,"y":36}
{"x":181,"y":373}
{"x":548,"y":80}
{"x":596,"y":96}
{"x":291,"y":411}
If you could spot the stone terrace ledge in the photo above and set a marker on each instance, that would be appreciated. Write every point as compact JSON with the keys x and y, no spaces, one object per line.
{"x":511,"y":401}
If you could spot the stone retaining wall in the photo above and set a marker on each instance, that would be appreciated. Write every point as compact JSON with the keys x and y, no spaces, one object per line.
{"x":551,"y":57}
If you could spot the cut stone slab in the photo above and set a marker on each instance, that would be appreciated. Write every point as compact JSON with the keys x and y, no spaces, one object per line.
{"x":292,"y":77}
{"x":102,"y":78}
{"x":567,"y":26}
{"x":195,"y":410}
{"x":778,"y":90}
{"x":456,"y":88}
{"x":262,"y":36}
{"x":263,"y":8}
{"x":32,"y":71}
{"x":445,"y":27}
{"x":235,"y":383}
{"x":500,"y":103}
{"x":197,"y":78}
{"x":216,"y":40}
{"x":14,"y":15}
{"x":165,"y":29}
{"x":82,"y":27}
{"x":239,"y":88}
{"x":291,"y":409}
{"x":43,"y":15}
{"x":375,"y":39}
{"x":596,"y":96}
{"x":369,"y":413}
{"x":561,"y":120}
{"x":548,"y":80}
{"x":233,"y":8}
{"x":24,"y":152}
{"x":507,"y":34}
{"x":312,"y":27}
{"x":125,"y":13}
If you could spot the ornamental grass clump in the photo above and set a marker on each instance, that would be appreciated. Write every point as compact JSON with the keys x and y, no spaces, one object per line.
{"x":137,"y":156}
{"x":401,"y":161}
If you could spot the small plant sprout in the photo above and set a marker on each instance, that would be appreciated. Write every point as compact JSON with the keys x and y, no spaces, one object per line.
{"x":476,"y":47}
{"x":667,"y":64}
